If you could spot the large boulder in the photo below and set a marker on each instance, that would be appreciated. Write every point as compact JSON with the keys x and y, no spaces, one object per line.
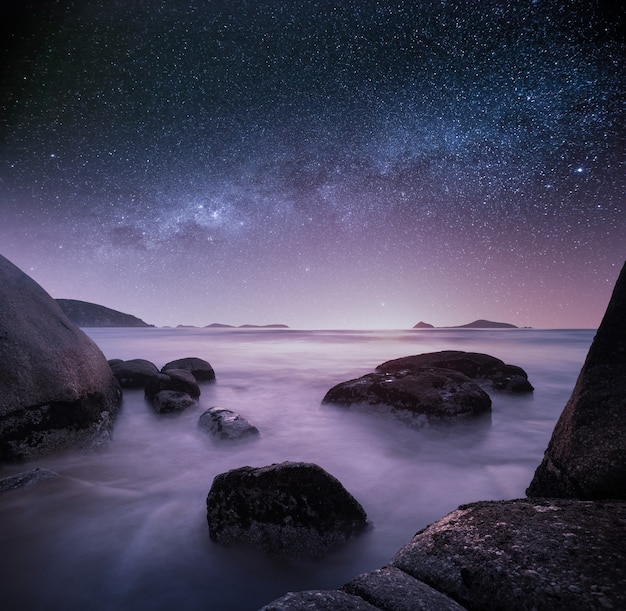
{"x":56,"y":387}
{"x":199,"y":368}
{"x":482,"y":368}
{"x":586,"y":456}
{"x":544,"y":554}
{"x":134,"y":373}
{"x":291,"y":509}
{"x":225,"y":424}
{"x":418,"y":397}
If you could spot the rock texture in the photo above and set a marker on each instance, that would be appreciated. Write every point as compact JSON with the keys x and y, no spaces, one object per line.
{"x":56,"y":387}
{"x":85,"y":314}
{"x":524,"y":554}
{"x":26,"y":478}
{"x":586,"y":456}
{"x":134,"y":373}
{"x":200,"y":369}
{"x":175,"y":379}
{"x":289,"y":509}
{"x":168,"y":401}
{"x":226,"y":424}
{"x":482,"y":368}
{"x":418,"y":397}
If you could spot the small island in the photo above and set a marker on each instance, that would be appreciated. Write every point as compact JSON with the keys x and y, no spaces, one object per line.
{"x":477,"y":324}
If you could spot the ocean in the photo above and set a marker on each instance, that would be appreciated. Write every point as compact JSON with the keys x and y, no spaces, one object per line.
{"x":125,"y":527}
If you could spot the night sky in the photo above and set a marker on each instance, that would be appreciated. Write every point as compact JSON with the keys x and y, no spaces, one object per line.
{"x":350,"y":164}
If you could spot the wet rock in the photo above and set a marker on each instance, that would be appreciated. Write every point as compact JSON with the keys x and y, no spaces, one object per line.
{"x":481,"y":368}
{"x":391,"y":589}
{"x":57,"y":390}
{"x":134,"y":373}
{"x":418,"y":397}
{"x":24,"y":479}
{"x":175,"y":379}
{"x":586,"y":456}
{"x":524,"y":554}
{"x":319,"y":600}
{"x":199,"y":368}
{"x":168,"y":401}
{"x":226,"y":424}
{"x":290,"y":509}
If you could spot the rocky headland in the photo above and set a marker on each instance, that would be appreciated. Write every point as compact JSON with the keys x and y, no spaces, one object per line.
{"x":85,"y":314}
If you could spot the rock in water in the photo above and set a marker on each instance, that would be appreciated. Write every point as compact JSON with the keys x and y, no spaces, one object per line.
{"x":226,"y":424}
{"x":135,"y":373}
{"x":296,"y":510}
{"x":586,"y":456}
{"x":56,"y":387}
{"x":199,"y":368}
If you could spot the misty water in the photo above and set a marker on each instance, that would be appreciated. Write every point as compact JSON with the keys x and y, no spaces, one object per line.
{"x":125,"y":527}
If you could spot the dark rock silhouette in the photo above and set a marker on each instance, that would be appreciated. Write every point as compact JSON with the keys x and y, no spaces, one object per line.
{"x":200,"y":369}
{"x":168,"y":401}
{"x":174,"y":379}
{"x":57,"y":390}
{"x":423,"y":325}
{"x":296,"y":510}
{"x":418,"y":398}
{"x":481,"y":368}
{"x":485,"y":324}
{"x":85,"y":314}
{"x":586,"y":456}
{"x":226,"y":424}
{"x":134,"y":373}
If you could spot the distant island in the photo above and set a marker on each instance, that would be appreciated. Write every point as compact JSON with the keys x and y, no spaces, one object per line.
{"x":85,"y":314}
{"x":477,"y":324}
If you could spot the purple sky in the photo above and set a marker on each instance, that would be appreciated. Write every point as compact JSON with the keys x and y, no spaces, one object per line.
{"x":323,"y":165}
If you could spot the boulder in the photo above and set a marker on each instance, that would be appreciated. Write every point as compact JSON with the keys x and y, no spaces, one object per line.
{"x":135,"y":373}
{"x":175,"y":379}
{"x":167,"y":401}
{"x":226,"y":424}
{"x":57,"y":390}
{"x":200,"y":369}
{"x":391,"y":588}
{"x":524,"y":554}
{"x":586,"y":456}
{"x":319,"y":600}
{"x":481,"y":368}
{"x":291,"y":509}
{"x":418,"y":397}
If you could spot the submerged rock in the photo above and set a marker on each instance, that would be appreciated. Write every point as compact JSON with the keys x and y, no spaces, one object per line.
{"x":199,"y":368}
{"x":134,"y":373}
{"x":586,"y":456}
{"x":417,"y":397}
{"x":168,"y":401}
{"x":57,"y":390}
{"x":524,"y":554}
{"x":290,"y":509}
{"x":24,"y":479}
{"x":319,"y":600}
{"x":481,"y":368}
{"x":226,"y":424}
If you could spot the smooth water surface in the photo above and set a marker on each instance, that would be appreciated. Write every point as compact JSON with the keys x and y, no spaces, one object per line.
{"x":125,"y":527}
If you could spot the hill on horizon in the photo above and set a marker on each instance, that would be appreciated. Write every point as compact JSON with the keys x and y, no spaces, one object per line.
{"x":85,"y":314}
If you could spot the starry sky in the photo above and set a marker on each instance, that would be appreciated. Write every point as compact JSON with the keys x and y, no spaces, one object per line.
{"x":349,"y":164}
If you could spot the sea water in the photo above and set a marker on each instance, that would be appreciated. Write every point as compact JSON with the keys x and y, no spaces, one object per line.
{"x":125,"y":527}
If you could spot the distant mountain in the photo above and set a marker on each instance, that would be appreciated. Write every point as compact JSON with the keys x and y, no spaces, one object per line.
{"x":485,"y":324}
{"x":85,"y":314}
{"x":423,"y":325}
{"x":219,"y":325}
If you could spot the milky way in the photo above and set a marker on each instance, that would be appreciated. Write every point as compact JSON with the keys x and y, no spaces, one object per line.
{"x":319,"y":164}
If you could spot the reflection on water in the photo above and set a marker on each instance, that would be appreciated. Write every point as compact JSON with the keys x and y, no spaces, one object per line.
{"x":125,"y":528}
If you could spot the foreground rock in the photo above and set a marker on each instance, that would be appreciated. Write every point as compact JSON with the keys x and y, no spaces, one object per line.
{"x":481,"y":368}
{"x":296,"y":510}
{"x":524,"y":554}
{"x":226,"y":424}
{"x":418,"y":398}
{"x":56,"y":388}
{"x":200,"y":369}
{"x":134,"y":373}
{"x":586,"y":456}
